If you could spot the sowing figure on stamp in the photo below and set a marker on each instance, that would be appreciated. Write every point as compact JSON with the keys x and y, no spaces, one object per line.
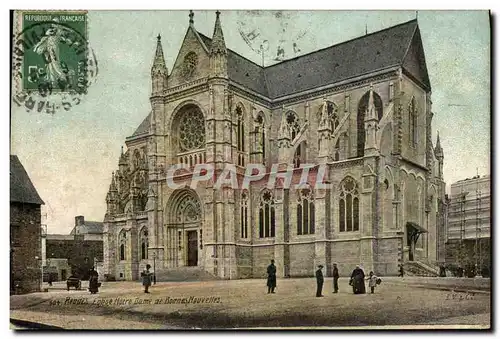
{"x":48,"y":46}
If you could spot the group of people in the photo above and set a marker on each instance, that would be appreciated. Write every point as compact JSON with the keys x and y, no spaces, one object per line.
{"x":357,"y":280}
{"x":94,"y":284}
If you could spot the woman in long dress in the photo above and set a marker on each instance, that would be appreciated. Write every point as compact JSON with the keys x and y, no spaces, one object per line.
{"x":93,"y":281}
{"x":358,"y":281}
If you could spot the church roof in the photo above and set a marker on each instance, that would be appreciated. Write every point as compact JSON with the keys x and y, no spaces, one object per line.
{"x":21,"y":188}
{"x":242,"y":70}
{"x":143,"y":127}
{"x":398,"y":45}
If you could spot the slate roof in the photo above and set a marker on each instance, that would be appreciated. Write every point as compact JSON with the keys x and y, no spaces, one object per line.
{"x":379,"y":50}
{"x":242,"y":70}
{"x":143,"y":127}
{"x":89,"y":227}
{"x":21,"y":188}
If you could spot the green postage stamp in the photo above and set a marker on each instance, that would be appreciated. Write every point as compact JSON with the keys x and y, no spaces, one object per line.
{"x":51,"y":56}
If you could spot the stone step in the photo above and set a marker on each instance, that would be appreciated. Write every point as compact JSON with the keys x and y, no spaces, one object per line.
{"x":188,"y":273}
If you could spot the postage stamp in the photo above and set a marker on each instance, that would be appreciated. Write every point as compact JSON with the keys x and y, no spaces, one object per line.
{"x":52,"y":59}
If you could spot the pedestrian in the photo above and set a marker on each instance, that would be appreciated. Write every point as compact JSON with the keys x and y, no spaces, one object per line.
{"x":319,"y":281}
{"x":271,"y":277}
{"x":146,"y":278}
{"x":401,"y":270}
{"x":335,"y":279}
{"x":372,"y":281}
{"x":93,"y":281}
{"x":358,"y":281}
{"x":50,"y":279}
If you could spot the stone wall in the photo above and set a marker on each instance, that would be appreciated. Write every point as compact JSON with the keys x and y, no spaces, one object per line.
{"x":26,"y":255}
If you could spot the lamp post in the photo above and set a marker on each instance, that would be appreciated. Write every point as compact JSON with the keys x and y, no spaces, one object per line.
{"x":154,"y":268}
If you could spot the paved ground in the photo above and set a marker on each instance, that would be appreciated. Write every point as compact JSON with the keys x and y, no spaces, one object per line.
{"x":245,"y":303}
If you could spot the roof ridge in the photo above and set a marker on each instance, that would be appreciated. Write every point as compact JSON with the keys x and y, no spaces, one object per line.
{"x":409,"y":43}
{"x":343,"y":42}
{"x":238,"y":54}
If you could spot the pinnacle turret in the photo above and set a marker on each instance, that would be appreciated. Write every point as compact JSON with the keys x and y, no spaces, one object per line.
{"x":438,"y":150}
{"x":218,"y":44}
{"x":159,"y":60}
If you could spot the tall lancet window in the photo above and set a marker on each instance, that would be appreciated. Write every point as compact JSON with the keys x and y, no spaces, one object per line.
{"x":348,"y":206}
{"x":267,"y":218}
{"x":122,"y":238}
{"x":412,"y":118}
{"x":305,"y":213}
{"x":240,"y":135}
{"x":244,"y":215}
{"x":144,"y":243}
{"x":262,"y":131}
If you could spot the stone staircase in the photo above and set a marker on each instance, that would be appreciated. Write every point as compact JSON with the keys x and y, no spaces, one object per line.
{"x":418,"y":268}
{"x":187,"y":273}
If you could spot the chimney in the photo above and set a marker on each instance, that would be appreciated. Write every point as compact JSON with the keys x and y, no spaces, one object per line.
{"x":79,"y":220}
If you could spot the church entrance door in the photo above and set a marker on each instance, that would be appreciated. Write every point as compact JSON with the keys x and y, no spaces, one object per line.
{"x":192,"y":248}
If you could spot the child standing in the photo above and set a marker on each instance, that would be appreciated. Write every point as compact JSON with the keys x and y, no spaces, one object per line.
{"x":372,"y":281}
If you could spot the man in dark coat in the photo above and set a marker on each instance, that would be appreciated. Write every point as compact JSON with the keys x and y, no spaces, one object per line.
{"x":335,"y":279}
{"x":358,"y":281}
{"x":271,"y":277}
{"x":401,"y":270}
{"x":319,"y":281}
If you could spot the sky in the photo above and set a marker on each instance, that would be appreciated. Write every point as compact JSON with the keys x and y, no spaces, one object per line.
{"x":70,"y":155}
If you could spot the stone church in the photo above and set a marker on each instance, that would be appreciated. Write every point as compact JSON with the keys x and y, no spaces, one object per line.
{"x":362,"y":108}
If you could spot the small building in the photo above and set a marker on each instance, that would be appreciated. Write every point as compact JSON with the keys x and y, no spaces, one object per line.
{"x":75,"y":253}
{"x":25,"y":231}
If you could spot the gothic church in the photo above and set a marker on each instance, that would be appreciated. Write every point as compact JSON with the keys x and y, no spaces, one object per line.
{"x":362,"y":108}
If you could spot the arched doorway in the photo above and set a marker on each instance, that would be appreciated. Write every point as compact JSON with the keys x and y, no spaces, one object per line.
{"x":184,"y":228}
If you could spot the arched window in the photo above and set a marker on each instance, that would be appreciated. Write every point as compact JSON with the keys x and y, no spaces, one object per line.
{"x":240,"y":135}
{"x":348,"y":206}
{"x":266,"y":215}
{"x":293,"y":124}
{"x":144,"y":243}
{"x":191,"y":128}
{"x":412,"y":118}
{"x":305,"y":213}
{"x":137,"y":159}
{"x":262,"y":129}
{"x":123,"y":245}
{"x":333,"y":115}
{"x":244,"y":215}
{"x":362,"y":108}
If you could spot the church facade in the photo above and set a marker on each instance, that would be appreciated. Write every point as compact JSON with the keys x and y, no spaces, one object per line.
{"x":361,"y":109}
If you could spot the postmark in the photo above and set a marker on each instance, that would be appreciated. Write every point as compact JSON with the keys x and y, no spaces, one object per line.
{"x":53,"y":63}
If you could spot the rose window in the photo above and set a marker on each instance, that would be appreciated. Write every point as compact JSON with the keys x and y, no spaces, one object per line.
{"x":191,"y":130}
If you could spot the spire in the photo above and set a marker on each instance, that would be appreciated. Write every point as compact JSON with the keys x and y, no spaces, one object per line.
{"x":191,"y":18}
{"x":159,"y":61}
{"x":438,"y":150}
{"x":218,"y":44}
{"x":370,"y":109}
{"x":324,"y":122}
{"x":284,"y":130}
{"x":112,"y":187}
